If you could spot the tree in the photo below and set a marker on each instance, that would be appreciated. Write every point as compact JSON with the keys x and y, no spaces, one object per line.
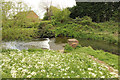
{"x":9,"y":10}
{"x":98,"y":11}
{"x":6,"y":7}
{"x":61,"y":15}
{"x":45,"y":7}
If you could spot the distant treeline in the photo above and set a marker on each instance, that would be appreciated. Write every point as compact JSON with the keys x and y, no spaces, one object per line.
{"x":98,"y":11}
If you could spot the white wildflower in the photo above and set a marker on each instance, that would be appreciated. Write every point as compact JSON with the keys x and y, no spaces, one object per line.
{"x":59,"y":67}
{"x":67,"y":68}
{"x":80,"y":69}
{"x":93,"y":74}
{"x":33,"y":73}
{"x":47,"y":76}
{"x":102,"y":76}
{"x":112,"y":73}
{"x":83,"y":73}
{"x":90,"y":69}
{"x":39,"y":62}
{"x":100,"y":72}
{"x":19,"y":68}
{"x":51,"y":73}
{"x":65,"y":74}
{"x":72,"y":72}
{"x":52,"y":65}
{"x":23,"y":60}
{"x":62,"y":69}
{"x":24,"y":70}
{"x":24,"y":66}
{"x":94,"y":63}
{"x":68,"y":76}
{"x":78,"y":66}
{"x":36,"y":66}
{"x":55,"y":62}
{"x":78,"y":76}
{"x":13,"y":73}
{"x":29,"y":76}
{"x":42,"y":70}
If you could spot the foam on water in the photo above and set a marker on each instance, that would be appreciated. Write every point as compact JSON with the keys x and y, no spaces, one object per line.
{"x":27,"y":45}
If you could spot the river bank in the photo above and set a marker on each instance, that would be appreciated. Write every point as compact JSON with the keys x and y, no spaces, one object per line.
{"x":106,"y":31}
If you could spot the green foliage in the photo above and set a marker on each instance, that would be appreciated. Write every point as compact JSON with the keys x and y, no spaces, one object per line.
{"x":52,"y":64}
{"x":34,"y":50}
{"x":8,"y":50}
{"x":86,"y":20}
{"x":6,"y":6}
{"x":11,"y":19}
{"x":61,"y":15}
{"x":78,"y":46}
{"x":54,"y":21}
{"x":19,"y":33}
{"x":110,"y":59}
{"x":45,"y":17}
{"x":85,"y":28}
{"x":99,"y":12}
{"x":44,"y":29}
{"x":34,"y":25}
{"x":68,"y":48}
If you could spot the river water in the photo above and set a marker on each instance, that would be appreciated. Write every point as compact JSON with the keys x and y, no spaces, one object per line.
{"x":44,"y":43}
{"x":57,"y":44}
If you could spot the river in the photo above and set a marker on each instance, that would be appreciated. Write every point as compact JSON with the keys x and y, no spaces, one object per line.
{"x":57,"y":44}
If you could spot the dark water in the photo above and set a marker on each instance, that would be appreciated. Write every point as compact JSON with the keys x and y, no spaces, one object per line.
{"x":57,"y":44}
{"x":97,"y":45}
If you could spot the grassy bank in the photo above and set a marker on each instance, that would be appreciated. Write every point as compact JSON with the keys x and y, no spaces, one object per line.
{"x":110,"y":59}
{"x":52,"y":64}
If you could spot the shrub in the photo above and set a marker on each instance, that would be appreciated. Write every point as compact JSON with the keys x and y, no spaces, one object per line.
{"x":68,"y":48}
{"x":19,"y":33}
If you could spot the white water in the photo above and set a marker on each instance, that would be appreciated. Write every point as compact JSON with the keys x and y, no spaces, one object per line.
{"x":27,"y":45}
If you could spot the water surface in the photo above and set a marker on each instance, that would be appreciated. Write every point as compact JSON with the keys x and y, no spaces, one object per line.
{"x":57,"y":44}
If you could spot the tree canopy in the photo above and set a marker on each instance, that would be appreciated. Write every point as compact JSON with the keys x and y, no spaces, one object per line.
{"x":98,"y":11}
{"x":60,"y":15}
{"x":9,"y":10}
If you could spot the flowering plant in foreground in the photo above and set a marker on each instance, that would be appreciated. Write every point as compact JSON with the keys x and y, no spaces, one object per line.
{"x":51,"y":64}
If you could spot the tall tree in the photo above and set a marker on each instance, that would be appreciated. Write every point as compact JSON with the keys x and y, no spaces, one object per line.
{"x":9,"y":10}
{"x":98,"y":11}
{"x":45,"y":7}
{"x":60,"y":15}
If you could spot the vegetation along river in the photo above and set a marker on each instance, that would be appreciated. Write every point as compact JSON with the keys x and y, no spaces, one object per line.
{"x":57,"y":44}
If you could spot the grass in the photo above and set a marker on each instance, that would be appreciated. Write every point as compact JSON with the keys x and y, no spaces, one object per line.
{"x":51,"y":64}
{"x":110,"y":59}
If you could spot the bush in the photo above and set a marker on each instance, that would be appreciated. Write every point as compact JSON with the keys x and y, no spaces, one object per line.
{"x":78,"y":46}
{"x":19,"y":33}
{"x":68,"y":48}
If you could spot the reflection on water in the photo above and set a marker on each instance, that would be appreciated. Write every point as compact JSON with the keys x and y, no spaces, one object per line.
{"x":57,"y":44}
{"x":99,"y":45}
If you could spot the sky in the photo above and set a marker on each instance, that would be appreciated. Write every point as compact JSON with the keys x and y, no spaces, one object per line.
{"x":35,"y":4}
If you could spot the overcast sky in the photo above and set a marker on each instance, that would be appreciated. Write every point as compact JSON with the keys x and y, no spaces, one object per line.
{"x":34,"y":4}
